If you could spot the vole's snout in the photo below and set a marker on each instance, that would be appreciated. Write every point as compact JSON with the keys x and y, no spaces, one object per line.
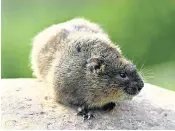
{"x":141,"y":86}
{"x":134,"y":87}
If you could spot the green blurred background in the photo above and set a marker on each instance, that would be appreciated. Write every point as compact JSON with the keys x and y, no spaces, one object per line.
{"x":145,"y":30}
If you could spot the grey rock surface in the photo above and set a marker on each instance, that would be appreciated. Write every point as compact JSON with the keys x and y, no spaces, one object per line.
{"x":29,"y":104}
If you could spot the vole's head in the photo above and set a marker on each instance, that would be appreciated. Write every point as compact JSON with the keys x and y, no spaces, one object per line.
{"x":115,"y":77}
{"x":126,"y":77}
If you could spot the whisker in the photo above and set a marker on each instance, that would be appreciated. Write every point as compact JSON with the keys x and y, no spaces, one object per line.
{"x":147,"y":74}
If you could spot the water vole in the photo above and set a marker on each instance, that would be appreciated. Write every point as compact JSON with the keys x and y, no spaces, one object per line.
{"x":84,"y":67}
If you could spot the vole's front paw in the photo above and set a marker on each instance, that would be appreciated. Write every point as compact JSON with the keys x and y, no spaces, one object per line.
{"x":85,"y":113}
{"x":108,"y":107}
{"x":88,"y":116}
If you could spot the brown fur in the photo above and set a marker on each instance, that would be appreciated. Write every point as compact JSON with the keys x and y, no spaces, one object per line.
{"x":81,"y":63}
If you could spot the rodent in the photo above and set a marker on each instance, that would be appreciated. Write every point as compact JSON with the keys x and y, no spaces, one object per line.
{"x":83,"y":66}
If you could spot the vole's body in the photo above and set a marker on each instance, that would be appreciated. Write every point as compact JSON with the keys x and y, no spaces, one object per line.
{"x":80,"y":62}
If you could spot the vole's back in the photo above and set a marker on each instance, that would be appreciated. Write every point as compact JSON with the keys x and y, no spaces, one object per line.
{"x":48,"y":43}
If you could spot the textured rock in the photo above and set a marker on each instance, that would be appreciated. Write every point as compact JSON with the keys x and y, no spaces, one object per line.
{"x":28,"y":104}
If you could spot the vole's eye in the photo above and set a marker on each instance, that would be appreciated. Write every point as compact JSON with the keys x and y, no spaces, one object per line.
{"x":122,"y":75}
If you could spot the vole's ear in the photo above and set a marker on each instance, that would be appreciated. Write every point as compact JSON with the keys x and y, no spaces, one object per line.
{"x":95,"y":65}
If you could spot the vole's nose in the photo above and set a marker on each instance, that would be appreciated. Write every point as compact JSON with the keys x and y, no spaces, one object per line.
{"x":139,"y":89}
{"x":141,"y":86}
{"x":134,"y":87}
